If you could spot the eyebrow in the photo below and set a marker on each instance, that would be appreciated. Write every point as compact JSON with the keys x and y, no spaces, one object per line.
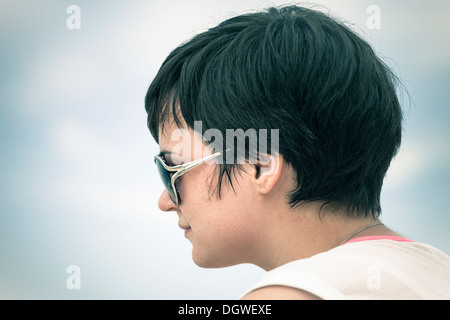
{"x":163,"y":153}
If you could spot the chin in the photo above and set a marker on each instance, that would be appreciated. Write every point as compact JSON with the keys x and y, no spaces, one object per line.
{"x":213,"y":261}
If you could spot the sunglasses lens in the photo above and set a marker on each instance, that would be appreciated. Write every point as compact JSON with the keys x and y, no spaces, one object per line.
{"x":166,"y":179}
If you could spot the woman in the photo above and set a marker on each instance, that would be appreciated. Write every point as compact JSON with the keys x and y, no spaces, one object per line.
{"x":302,"y":202}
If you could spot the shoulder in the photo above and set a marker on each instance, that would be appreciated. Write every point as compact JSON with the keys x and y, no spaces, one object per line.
{"x":276,"y":292}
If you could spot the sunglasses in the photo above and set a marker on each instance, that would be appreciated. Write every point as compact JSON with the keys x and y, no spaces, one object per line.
{"x":169,"y":174}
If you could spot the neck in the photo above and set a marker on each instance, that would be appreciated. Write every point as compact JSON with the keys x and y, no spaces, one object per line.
{"x":303,"y":233}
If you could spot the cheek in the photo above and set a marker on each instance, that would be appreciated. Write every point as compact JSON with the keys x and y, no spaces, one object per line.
{"x":193,"y":190}
{"x":223,"y":241}
{"x":224,"y":231}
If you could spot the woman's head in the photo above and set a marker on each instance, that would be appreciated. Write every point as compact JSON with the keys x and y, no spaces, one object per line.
{"x":331,"y":99}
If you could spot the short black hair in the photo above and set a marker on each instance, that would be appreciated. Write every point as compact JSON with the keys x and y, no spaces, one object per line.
{"x":300,"y":71}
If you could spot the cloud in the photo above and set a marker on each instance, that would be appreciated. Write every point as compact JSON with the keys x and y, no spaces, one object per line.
{"x":418,"y":158}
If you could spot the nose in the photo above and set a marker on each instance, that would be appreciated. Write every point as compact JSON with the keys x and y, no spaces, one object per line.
{"x":165,"y":203}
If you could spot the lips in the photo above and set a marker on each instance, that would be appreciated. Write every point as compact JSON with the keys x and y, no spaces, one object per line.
{"x":184,"y":226}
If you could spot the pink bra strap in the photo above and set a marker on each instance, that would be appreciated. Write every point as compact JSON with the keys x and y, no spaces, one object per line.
{"x":394,"y":238}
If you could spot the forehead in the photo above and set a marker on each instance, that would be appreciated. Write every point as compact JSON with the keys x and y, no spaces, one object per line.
{"x":180,"y":143}
{"x":171,"y":121}
{"x":170,"y":134}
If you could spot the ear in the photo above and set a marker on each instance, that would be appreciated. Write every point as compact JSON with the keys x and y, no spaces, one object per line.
{"x":268,"y":172}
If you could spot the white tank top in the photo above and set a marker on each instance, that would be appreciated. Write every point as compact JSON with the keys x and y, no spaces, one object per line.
{"x":375,"y":269}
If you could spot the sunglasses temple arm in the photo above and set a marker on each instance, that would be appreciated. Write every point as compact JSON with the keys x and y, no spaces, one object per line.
{"x":197,"y":163}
